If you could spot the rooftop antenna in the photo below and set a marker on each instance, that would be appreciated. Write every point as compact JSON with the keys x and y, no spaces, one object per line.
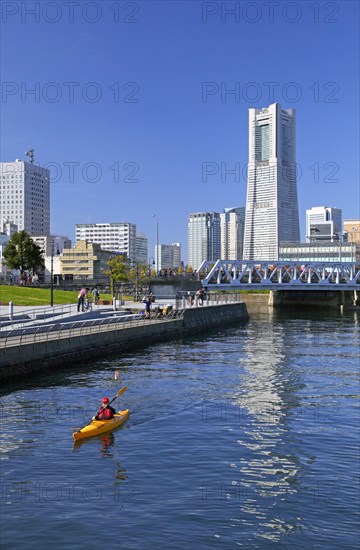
{"x":30,"y":153}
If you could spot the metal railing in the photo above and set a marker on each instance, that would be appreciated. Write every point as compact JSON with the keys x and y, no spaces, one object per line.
{"x":40,"y":315}
{"x":183,"y":299}
{"x":76,"y":329}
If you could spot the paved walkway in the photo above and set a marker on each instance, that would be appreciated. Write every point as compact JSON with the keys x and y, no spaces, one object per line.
{"x":30,"y":316}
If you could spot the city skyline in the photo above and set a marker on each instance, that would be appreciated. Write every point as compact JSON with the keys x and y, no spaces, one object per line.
{"x":221,"y":236}
{"x":126,"y":136}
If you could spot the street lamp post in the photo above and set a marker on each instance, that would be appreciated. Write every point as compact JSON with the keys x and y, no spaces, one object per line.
{"x":150,"y":264}
{"x":157,"y":243}
{"x":137,"y":282}
{"x":52,"y":278}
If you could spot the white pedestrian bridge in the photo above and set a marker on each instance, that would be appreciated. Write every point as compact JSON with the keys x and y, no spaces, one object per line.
{"x":279,"y":275}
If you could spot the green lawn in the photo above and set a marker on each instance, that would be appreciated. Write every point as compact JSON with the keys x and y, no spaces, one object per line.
{"x":29,"y":296}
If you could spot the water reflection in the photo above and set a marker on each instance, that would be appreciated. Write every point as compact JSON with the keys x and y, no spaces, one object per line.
{"x":104,"y":442}
{"x":267,"y":396}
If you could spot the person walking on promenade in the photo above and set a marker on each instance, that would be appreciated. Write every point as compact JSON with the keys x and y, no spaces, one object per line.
{"x":96,"y":295}
{"x":81,"y":299}
{"x":147,"y":307}
{"x":87,"y":303}
{"x":200,"y":295}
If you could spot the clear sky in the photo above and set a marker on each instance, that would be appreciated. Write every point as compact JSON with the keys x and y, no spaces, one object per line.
{"x":140,"y":91}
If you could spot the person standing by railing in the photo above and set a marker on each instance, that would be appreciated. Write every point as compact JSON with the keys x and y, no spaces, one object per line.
{"x":81,"y":299}
{"x":200,"y":295}
{"x":96,"y":295}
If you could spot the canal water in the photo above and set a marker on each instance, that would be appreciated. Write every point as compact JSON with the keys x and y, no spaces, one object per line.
{"x":247,"y":437}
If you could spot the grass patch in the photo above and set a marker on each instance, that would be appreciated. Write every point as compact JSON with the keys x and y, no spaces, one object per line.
{"x":31,"y":296}
{"x":235,"y":291}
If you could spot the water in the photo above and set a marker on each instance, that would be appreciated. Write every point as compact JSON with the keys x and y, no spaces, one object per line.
{"x":247,"y":438}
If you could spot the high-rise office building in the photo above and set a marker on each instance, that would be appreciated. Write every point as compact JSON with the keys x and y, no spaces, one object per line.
{"x":141,"y":252}
{"x":203,"y":237}
{"x":271,"y":204}
{"x":323,"y":223}
{"x":169,"y":256}
{"x":25,"y":196}
{"x":232,"y":223}
{"x":116,"y":237}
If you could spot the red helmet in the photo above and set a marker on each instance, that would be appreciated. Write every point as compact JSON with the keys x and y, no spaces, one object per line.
{"x":105,"y":400}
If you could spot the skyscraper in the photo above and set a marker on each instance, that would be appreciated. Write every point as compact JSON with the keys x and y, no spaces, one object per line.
{"x":25,"y":196}
{"x":203,"y":237}
{"x":232,"y":222}
{"x":169,"y":256}
{"x":271,"y":204}
{"x":323,"y":223}
{"x":141,"y":248}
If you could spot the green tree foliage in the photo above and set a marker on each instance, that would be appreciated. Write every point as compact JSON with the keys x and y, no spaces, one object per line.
{"x":139,"y":274}
{"x":22,"y":253}
{"x":119,"y":271}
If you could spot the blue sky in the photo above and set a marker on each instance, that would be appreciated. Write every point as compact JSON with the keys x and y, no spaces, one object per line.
{"x":139,"y":90}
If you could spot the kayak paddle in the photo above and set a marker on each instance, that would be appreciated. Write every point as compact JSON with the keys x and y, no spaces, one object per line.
{"x":117,"y":395}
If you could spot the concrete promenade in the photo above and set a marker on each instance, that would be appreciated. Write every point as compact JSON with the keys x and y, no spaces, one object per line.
{"x":37,"y":344}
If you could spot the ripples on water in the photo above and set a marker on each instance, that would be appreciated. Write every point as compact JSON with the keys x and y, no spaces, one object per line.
{"x":248,"y":437}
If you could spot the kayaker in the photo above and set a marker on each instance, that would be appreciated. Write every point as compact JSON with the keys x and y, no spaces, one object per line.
{"x":105,"y":412}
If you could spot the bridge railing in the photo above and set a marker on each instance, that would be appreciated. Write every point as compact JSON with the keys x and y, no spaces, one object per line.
{"x":269,"y":274}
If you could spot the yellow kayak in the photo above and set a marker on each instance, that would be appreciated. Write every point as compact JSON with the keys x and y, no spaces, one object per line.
{"x":96,"y":427}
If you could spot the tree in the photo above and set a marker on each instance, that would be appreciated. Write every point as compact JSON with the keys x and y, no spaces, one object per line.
{"x":139,"y":274}
{"x":22,"y":253}
{"x":119,"y":271}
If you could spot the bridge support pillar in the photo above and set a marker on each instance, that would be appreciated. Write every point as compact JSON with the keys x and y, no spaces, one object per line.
{"x":311,"y":298}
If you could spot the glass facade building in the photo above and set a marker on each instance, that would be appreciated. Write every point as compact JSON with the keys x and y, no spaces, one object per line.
{"x":271,"y":203}
{"x":203,"y":238}
{"x":319,"y":252}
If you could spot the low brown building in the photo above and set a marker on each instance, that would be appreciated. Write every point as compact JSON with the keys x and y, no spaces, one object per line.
{"x":352,"y":228}
{"x":85,"y":261}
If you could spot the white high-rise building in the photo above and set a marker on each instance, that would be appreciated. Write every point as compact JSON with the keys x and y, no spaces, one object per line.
{"x":203,"y":238}
{"x":323,"y":223}
{"x":25,"y":196}
{"x":271,"y":204}
{"x":232,"y":223}
{"x":169,"y":256}
{"x":116,"y":237}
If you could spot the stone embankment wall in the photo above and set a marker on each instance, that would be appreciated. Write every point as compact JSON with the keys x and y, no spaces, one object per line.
{"x":28,"y":358}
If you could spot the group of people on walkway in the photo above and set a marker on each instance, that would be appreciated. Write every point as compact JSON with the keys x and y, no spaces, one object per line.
{"x":83,"y":301}
{"x":200,"y":295}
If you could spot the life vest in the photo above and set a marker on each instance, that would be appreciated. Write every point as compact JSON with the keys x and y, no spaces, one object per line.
{"x":104,"y":414}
